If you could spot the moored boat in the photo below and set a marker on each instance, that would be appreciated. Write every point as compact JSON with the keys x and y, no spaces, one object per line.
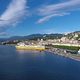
{"x":79,"y":51}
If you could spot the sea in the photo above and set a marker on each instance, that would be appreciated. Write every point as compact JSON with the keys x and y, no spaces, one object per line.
{"x":35,"y":65}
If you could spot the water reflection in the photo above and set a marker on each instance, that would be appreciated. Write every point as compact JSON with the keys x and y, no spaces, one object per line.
{"x":26,"y":51}
{"x":30,"y":54}
{"x":33,"y":65}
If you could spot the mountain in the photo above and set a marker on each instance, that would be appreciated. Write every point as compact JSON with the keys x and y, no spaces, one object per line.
{"x":73,"y":35}
{"x":33,"y":37}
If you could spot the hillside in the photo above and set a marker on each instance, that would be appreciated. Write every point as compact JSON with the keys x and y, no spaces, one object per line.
{"x":73,"y":35}
{"x":33,"y":37}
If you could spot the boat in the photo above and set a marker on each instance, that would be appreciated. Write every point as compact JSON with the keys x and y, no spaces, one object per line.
{"x":79,"y":51}
{"x":23,"y":46}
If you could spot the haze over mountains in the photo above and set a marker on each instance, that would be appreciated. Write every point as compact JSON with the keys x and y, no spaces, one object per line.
{"x":73,"y":35}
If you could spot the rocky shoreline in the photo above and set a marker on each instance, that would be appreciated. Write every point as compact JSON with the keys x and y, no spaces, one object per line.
{"x":65,"y":53}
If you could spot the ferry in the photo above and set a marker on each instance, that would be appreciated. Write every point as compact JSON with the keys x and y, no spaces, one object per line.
{"x":23,"y":46}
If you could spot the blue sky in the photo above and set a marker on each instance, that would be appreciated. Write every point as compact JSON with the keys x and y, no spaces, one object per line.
{"x":24,"y":17}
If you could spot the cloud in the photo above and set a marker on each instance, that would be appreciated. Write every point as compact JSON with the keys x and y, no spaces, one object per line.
{"x":13,"y":13}
{"x":46,"y":18}
{"x":3,"y":34}
{"x":49,"y":11}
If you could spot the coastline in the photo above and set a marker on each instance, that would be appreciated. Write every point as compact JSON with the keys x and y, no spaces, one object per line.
{"x":62,"y":52}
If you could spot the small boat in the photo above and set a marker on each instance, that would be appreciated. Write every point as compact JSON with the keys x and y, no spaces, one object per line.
{"x":79,"y":51}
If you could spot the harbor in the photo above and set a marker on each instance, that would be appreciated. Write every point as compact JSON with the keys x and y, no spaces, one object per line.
{"x":65,"y":52}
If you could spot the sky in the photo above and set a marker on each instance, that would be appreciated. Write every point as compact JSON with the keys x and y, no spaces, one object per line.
{"x":25,"y":17}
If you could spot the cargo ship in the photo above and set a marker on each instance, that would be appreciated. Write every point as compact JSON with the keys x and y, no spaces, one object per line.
{"x":23,"y":46}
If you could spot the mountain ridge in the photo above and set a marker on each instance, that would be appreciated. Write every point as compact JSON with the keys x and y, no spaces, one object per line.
{"x":75,"y":35}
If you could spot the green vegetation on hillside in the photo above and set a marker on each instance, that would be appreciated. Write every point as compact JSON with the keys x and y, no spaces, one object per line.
{"x":66,"y":47}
